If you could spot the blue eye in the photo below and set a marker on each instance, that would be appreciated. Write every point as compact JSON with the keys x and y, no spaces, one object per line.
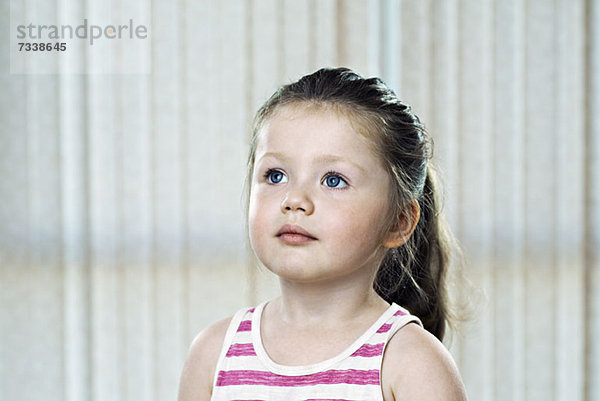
{"x":275,"y":177}
{"x":333,"y":180}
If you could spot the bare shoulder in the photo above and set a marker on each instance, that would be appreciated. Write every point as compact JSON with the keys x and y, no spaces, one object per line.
{"x":417,"y":366}
{"x":199,"y":369}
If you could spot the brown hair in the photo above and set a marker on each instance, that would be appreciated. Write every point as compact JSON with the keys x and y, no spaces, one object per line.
{"x":412,"y":275}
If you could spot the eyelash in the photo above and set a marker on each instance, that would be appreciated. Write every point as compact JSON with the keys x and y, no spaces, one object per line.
{"x":268,"y":174}
{"x":338,"y":175}
{"x":331,"y":173}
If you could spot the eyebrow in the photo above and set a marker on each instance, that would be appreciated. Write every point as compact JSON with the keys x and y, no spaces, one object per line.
{"x":321,"y":159}
{"x":334,"y":158}
{"x":275,"y":155}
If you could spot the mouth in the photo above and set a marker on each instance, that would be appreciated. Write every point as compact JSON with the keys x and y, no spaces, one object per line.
{"x":292,"y":234}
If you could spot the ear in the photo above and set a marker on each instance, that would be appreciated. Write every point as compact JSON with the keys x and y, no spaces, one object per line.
{"x":405,"y":227}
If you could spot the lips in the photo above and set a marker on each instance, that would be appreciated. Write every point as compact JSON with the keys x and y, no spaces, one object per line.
{"x":293,"y":234}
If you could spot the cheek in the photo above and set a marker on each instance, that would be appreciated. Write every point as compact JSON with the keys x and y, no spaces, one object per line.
{"x":253,"y":218}
{"x":364,"y":224}
{"x":258,"y":219}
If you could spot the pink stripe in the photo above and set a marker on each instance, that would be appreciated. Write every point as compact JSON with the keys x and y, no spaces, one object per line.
{"x":260,"y":378}
{"x":245,"y":325}
{"x":384,"y":328}
{"x":400,"y":313}
{"x":251,"y":310}
{"x":369,"y":350}
{"x":240,"y":350}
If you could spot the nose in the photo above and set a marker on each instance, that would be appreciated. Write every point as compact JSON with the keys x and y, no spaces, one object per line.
{"x":297,"y":200}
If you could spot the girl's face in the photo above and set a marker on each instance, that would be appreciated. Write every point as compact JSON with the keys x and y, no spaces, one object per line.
{"x":319,"y":197}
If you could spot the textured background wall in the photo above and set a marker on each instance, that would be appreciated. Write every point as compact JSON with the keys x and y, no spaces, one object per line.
{"x":121,"y":223}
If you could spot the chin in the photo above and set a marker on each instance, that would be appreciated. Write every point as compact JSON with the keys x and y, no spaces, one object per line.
{"x":292,"y":272}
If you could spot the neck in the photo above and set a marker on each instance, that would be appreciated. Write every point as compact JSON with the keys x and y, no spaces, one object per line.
{"x":340,"y":299}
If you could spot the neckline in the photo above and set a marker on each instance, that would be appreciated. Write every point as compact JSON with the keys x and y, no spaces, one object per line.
{"x":295,"y":370}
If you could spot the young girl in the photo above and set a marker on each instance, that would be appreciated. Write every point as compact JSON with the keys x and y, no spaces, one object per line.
{"x":343,"y":209}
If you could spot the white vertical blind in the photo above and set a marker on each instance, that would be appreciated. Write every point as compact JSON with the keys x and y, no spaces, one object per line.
{"x":592,"y":201}
{"x":122,"y":230}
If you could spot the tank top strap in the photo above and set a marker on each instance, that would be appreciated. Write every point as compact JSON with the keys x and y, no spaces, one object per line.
{"x":370,"y":348}
{"x":400,"y":318}
{"x":238,"y":334}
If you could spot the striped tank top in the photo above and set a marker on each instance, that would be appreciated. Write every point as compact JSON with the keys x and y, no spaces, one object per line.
{"x":245,"y":372}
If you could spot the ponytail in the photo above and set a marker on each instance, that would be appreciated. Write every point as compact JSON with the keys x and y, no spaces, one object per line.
{"x":414,"y":274}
